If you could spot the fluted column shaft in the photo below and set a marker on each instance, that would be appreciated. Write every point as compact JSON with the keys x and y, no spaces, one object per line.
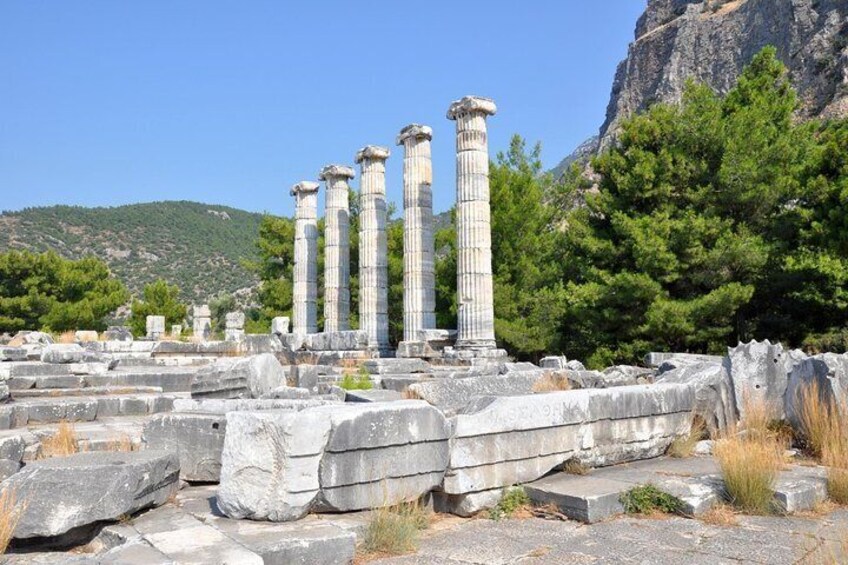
{"x":373,"y":247}
{"x":337,"y":248}
{"x":305,"y":287}
{"x":419,"y":277}
{"x":475,"y":296}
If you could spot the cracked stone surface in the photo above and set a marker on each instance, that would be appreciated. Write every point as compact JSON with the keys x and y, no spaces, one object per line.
{"x":671,"y":540}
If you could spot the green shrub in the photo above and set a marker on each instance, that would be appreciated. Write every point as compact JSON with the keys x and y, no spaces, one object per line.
{"x":648,"y":499}
{"x":512,"y":500}
{"x":362,"y":381}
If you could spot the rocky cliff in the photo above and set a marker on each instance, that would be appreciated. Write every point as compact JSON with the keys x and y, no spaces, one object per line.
{"x":711,"y":41}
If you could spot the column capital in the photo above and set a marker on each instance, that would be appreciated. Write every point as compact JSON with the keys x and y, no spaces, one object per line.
{"x":336,"y":171}
{"x":304,"y":187}
{"x":471,"y":104}
{"x":372,"y":153}
{"x":416,"y":131}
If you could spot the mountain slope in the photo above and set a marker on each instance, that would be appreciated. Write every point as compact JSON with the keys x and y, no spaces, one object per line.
{"x":712,"y":40}
{"x":197,"y":246}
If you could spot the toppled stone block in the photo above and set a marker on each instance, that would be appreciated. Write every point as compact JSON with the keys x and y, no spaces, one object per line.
{"x":64,"y":493}
{"x":677,"y":360}
{"x":196,"y":438}
{"x":759,"y":372}
{"x":498,"y":442}
{"x":450,"y":395}
{"x":65,"y":353}
{"x":575,"y":365}
{"x":8,"y":467}
{"x":289,"y":393}
{"x":4,"y":392}
{"x":626,"y":375}
{"x":374,"y":395}
{"x":30,"y":338}
{"x":308,"y":376}
{"x":556,"y":362}
{"x":278,"y":466}
{"x":184,"y":539}
{"x":827,"y":374}
{"x":224,"y":405}
{"x":280,"y":325}
{"x":396,"y":366}
{"x":118,"y":333}
{"x":381,"y":454}
{"x":13,"y":354}
{"x":249,"y":377}
{"x":337,"y":341}
{"x":196,"y":433}
{"x":269,"y":464}
{"x":714,"y":402}
{"x":82,"y":336}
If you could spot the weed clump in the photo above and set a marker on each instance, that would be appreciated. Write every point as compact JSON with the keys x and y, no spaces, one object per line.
{"x":648,"y":499}
{"x":512,"y":501}
{"x":362,"y":381}
{"x":394,"y":530}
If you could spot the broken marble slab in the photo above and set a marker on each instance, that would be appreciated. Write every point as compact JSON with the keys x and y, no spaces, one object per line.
{"x":278,"y":466}
{"x":502,"y":441}
{"x":248,"y":377}
{"x":65,"y":493}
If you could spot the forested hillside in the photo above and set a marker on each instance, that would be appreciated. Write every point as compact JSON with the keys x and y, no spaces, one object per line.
{"x":199,"y":247}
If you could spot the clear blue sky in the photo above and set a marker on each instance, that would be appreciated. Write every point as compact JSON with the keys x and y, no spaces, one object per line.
{"x":112,"y":102}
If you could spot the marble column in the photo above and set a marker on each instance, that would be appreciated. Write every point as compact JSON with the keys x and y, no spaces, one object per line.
{"x":336,"y":248}
{"x":373,"y":246}
{"x":419,"y":276}
{"x":475,"y":301}
{"x":305,"y":291}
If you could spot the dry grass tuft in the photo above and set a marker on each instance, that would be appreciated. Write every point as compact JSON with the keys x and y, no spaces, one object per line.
{"x":816,"y":418}
{"x":574,"y":467}
{"x":10,"y":514}
{"x":408,"y":394}
{"x":826,"y":435}
{"x":551,"y":383}
{"x":683,"y":446}
{"x":749,"y":467}
{"x":720,"y":515}
{"x":750,"y":460}
{"x":394,"y":530}
{"x":66,"y":337}
{"x":122,"y":444}
{"x":61,"y":444}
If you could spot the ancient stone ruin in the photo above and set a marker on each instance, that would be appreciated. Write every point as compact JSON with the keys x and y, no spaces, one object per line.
{"x":276,"y":447}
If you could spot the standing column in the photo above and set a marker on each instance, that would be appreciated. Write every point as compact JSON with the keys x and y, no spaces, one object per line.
{"x":419,"y":276}
{"x":336,"y":248}
{"x":475,"y":302}
{"x":305,"y":291}
{"x":373,"y":246}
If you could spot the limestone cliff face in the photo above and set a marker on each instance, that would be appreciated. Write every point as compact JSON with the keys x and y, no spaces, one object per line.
{"x":711,"y":41}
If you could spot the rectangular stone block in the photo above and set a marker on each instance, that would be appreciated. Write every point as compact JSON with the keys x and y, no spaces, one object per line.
{"x":502,"y":441}
{"x":198,"y":440}
{"x":334,"y":341}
